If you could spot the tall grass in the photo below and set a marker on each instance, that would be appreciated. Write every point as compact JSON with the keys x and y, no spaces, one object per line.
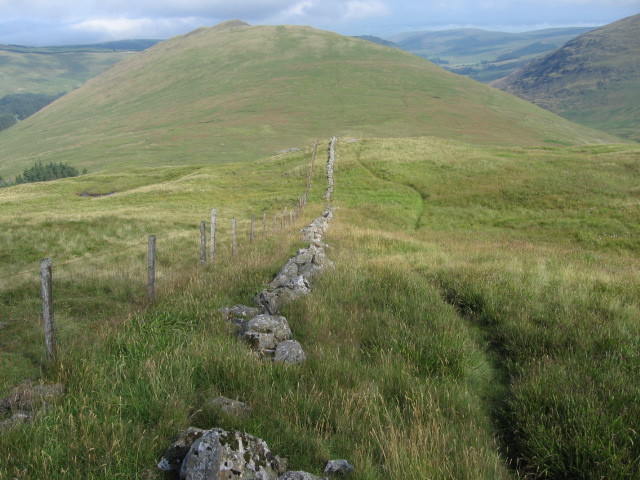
{"x":468,"y":329}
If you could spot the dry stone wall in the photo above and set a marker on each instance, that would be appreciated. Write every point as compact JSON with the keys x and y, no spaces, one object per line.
{"x":216,"y":453}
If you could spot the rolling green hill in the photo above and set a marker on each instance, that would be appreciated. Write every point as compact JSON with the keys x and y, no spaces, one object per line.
{"x":236,"y":92}
{"x":52,"y":70}
{"x":594,"y":79}
{"x":484,"y":55}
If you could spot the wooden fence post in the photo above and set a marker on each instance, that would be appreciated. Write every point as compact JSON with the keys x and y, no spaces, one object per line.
{"x":253,"y":218}
{"x":151,"y":267}
{"x":233,"y":236}
{"x":275,"y":221}
{"x":264,"y":223}
{"x":48,"y":321}
{"x":282,"y":221}
{"x":212,"y":245}
{"x":203,"y":242}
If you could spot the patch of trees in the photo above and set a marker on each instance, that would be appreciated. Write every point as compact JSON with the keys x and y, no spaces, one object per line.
{"x":43,"y":173}
{"x":19,"y":106}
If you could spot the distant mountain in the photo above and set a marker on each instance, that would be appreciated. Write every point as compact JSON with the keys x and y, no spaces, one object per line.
{"x":484,"y":55}
{"x":593,"y":79}
{"x":235,"y":92}
{"x":50,"y":70}
{"x":378,"y":40}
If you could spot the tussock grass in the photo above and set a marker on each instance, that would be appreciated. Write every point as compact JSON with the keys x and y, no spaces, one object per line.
{"x":470,"y":327}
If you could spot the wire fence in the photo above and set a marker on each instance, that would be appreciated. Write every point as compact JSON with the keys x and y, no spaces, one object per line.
{"x":99,"y":284}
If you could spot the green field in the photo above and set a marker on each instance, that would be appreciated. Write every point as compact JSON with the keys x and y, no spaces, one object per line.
{"x":482,"y":320}
{"x":236,"y":93}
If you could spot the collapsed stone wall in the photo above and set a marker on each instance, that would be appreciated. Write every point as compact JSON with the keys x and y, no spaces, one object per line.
{"x":215,"y":453}
{"x":262,"y":327}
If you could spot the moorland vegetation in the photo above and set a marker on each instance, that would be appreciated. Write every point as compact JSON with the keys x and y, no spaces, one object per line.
{"x":481,"y":321}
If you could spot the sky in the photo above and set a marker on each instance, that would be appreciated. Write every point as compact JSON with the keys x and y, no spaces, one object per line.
{"x":64,"y":22}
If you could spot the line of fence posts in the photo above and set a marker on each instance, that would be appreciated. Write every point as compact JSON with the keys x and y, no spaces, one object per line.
{"x":46,"y":265}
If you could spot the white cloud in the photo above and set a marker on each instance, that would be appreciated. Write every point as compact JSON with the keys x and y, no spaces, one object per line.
{"x":356,"y":9}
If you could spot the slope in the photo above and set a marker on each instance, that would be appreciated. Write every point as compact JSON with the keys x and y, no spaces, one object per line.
{"x":594,"y":79}
{"x":53,"y":70}
{"x":235,"y":92}
{"x":482,"y":313}
{"x":485,"y":55}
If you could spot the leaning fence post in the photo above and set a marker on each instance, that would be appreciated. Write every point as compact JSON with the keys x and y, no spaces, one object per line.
{"x":253,"y":219}
{"x":48,"y":321}
{"x":233,"y":236}
{"x":151,"y":267}
{"x":203,"y":242}
{"x":212,"y":245}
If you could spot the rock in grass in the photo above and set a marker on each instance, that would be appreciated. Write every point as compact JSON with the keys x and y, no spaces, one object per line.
{"x":289,"y":351}
{"x":29,"y":397}
{"x":219,"y":454}
{"x":15,"y":420}
{"x":172,"y":459}
{"x":338,"y":467}
{"x":299,"y":475}
{"x":273,"y":324}
{"x":230,"y":406}
{"x":240,"y":311}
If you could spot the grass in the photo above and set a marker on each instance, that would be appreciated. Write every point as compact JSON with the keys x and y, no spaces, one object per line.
{"x":235,"y":94}
{"x":481,"y":320}
{"x":52,"y":70}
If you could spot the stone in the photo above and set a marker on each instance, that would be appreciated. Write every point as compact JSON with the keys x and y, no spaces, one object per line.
{"x":338,"y":467}
{"x":240,"y":311}
{"x":15,"y":420}
{"x":219,"y":454}
{"x":273,"y":324}
{"x":230,"y":406}
{"x":260,"y":342}
{"x":285,"y":274}
{"x":172,"y":459}
{"x":309,"y":270}
{"x":267,"y":300}
{"x":29,"y":397}
{"x":304,"y":256}
{"x":299,"y":285}
{"x":289,"y":351}
{"x":299,"y":475}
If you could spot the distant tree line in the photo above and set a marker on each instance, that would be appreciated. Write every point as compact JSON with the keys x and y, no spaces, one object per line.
{"x":43,"y":173}
{"x":19,"y":106}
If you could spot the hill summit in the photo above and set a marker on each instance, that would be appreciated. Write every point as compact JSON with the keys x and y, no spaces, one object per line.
{"x":594,"y":79}
{"x":236,"y":92}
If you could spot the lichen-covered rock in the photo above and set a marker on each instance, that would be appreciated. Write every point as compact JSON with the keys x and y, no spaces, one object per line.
{"x":230,"y":406}
{"x":272,"y":324}
{"x":240,"y":311}
{"x":29,"y":397}
{"x":338,"y":467}
{"x":173,"y":457}
{"x":260,"y":342}
{"x":219,"y":454}
{"x":299,"y":475}
{"x":289,"y":351}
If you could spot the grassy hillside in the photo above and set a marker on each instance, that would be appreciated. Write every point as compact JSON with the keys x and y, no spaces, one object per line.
{"x":481,"y":320}
{"x":485,"y":55}
{"x":52,"y":70}
{"x":593,"y":79}
{"x":235,"y":92}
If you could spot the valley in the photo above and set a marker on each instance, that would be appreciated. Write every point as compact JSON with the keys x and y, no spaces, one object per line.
{"x":481,"y":320}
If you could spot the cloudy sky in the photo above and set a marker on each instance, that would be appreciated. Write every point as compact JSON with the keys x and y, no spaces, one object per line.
{"x":59,"y":22}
